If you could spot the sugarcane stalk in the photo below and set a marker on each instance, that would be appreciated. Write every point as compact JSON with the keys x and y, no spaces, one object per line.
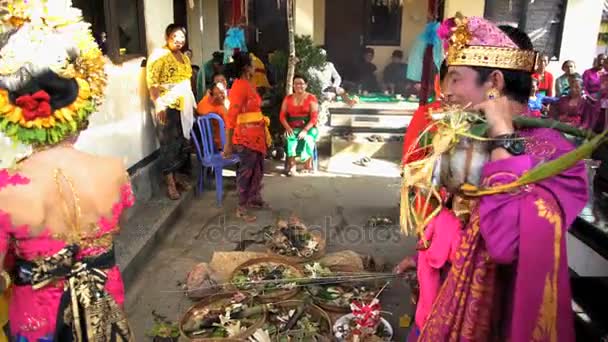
{"x":295,"y":317}
{"x":529,"y":122}
{"x":542,"y":171}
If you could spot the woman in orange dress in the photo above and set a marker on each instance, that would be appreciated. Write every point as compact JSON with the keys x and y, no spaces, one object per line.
{"x":214,"y":102}
{"x":248,"y":136}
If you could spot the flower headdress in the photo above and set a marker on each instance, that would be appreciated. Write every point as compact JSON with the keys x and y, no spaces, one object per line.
{"x":474,"y":41}
{"x":52,"y":74}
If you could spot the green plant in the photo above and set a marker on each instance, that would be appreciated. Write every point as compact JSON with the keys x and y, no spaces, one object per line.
{"x":163,"y":327}
{"x":309,"y":56}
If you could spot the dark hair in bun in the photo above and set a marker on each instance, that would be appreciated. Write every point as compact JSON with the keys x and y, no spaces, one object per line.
{"x":63,"y":91}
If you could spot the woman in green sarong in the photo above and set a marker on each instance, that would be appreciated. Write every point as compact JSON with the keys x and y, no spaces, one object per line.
{"x":299,"y":114}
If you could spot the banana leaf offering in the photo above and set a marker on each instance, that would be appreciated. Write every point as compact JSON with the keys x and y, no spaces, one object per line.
{"x":337,"y":296}
{"x":294,"y":320}
{"x":230,"y":316}
{"x":267,"y":278}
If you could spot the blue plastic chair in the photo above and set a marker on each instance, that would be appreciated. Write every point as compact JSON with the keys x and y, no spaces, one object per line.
{"x":208,"y":155}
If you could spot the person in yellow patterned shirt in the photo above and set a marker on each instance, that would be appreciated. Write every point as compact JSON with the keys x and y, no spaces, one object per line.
{"x":168,"y":75}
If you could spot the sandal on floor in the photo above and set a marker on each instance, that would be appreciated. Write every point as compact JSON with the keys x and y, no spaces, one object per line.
{"x":242,"y":214}
{"x":363,"y":161}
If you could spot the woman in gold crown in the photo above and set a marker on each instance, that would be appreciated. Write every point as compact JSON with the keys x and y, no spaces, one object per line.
{"x":59,"y":207}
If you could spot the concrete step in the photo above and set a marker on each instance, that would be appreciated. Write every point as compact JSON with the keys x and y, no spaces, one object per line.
{"x":147,"y":225}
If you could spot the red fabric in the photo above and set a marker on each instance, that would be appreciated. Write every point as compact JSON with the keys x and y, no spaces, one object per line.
{"x":245,"y":99}
{"x":302,"y":111}
{"x":437,"y":87}
{"x":545,"y":83}
{"x":236,"y":11}
{"x":35,"y":106}
{"x":418,"y":124}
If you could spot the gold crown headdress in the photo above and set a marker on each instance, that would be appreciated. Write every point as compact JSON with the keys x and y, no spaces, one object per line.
{"x":477,"y":42}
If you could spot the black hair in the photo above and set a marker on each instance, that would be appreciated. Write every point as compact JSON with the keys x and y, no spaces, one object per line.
{"x":300,"y":76}
{"x":397,"y":53}
{"x":215,"y":74}
{"x":518,"y":84}
{"x":174,"y":28}
{"x":443,"y":70}
{"x":566,"y":62}
{"x":63,"y":91}
{"x":369,"y":50}
{"x":241,"y":60}
{"x":218,"y":57}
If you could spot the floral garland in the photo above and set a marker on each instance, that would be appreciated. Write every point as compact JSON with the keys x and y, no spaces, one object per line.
{"x":32,"y":122}
{"x":56,"y":27}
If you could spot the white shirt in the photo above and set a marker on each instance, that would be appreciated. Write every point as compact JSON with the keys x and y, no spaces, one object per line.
{"x":325,"y":75}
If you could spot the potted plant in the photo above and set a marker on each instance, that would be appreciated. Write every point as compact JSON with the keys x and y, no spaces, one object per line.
{"x":163,"y":330}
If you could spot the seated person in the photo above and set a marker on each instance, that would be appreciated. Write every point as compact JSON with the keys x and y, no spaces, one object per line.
{"x":576,"y":108}
{"x":395,"y":72}
{"x":537,"y":103}
{"x":299,"y":114}
{"x":213,"y":102}
{"x":210,"y":68}
{"x":328,"y":76}
{"x":366,"y":72}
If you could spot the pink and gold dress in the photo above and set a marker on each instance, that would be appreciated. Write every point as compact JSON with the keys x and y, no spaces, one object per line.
{"x":67,"y":287}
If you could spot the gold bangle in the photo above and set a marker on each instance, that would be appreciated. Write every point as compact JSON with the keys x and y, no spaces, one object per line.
{"x":7,"y":279}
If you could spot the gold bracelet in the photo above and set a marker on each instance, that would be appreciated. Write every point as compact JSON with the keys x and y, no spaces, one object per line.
{"x":7,"y":279}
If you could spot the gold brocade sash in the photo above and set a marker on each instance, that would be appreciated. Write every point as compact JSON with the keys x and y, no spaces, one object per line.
{"x":85,"y":305}
{"x":256,"y":117}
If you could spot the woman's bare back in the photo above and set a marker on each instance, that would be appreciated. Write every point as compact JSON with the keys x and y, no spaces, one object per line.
{"x":49,"y":201}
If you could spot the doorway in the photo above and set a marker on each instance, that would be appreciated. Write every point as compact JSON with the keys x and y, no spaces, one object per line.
{"x":344,"y":42}
{"x":267,"y":28}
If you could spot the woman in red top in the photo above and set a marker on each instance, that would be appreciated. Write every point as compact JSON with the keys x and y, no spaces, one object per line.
{"x":299,"y":114}
{"x":545,"y":78}
{"x":247,"y":133}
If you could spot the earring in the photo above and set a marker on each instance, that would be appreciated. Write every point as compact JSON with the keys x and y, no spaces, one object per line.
{"x":492,"y":94}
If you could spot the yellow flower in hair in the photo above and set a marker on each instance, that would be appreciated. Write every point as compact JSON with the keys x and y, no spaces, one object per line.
{"x":5,"y":104}
{"x":14,"y":115}
{"x":84,"y":90}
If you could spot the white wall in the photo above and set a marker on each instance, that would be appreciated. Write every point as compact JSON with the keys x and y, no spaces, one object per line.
{"x":579,"y":39}
{"x":469,"y":8}
{"x":204,"y":46}
{"x":123,"y":127}
{"x":319,"y":16}
{"x":304,"y":17}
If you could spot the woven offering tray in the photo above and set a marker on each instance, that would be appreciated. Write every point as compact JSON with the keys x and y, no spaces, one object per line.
{"x":209,"y":320}
{"x":295,"y":320}
{"x":336,"y":297}
{"x":267,"y":278}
